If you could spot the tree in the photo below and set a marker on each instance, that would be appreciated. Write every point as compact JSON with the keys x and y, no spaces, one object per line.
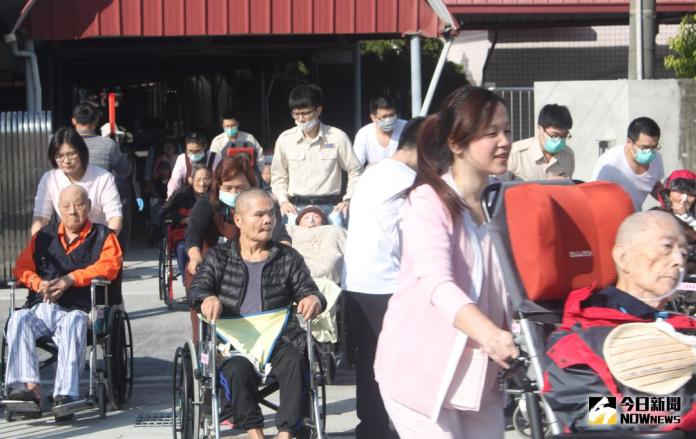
{"x":683,"y":60}
{"x":386,"y":71}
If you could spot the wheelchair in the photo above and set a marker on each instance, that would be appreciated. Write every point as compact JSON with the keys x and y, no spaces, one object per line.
{"x":196,"y":411}
{"x":167,"y":254}
{"x":526,"y":219}
{"x":110,"y":343}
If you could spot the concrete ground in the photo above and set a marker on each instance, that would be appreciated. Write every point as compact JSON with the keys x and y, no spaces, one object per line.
{"x":157,"y":331}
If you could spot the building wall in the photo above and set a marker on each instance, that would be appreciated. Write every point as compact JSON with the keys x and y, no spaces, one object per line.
{"x":602,"y":110}
{"x":522,"y":56}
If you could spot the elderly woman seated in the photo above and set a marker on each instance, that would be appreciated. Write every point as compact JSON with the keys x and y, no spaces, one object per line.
{"x":321,"y":244}
{"x":678,"y":197}
{"x":58,"y":266}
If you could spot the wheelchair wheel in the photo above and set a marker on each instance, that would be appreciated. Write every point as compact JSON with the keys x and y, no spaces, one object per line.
{"x":119,"y":363}
{"x":328,"y":360}
{"x":316,"y":392}
{"x":101,"y":399}
{"x":163,"y":268}
{"x":186,"y":404}
{"x":3,"y":366}
{"x":521,"y":423}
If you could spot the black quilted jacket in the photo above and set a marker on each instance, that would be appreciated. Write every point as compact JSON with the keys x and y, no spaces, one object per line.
{"x":285,"y":279}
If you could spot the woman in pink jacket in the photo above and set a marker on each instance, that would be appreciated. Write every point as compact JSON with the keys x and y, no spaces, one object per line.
{"x":444,"y":340}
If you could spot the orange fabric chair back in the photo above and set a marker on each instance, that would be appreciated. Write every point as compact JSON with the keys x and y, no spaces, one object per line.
{"x":562,"y":236}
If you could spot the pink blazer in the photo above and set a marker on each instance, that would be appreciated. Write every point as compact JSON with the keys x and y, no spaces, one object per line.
{"x":441,"y":271}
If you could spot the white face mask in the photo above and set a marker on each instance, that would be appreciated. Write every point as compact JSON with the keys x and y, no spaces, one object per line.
{"x":307,"y":125}
{"x":673,"y":290}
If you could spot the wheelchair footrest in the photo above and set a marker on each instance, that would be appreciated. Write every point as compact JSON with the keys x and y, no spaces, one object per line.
{"x":21,"y":406}
{"x":71,"y":407}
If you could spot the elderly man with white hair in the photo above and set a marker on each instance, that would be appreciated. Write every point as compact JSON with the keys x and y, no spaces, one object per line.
{"x":58,"y":266}
{"x":649,"y":255}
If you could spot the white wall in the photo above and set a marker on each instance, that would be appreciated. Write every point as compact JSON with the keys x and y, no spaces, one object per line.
{"x":602,"y":110}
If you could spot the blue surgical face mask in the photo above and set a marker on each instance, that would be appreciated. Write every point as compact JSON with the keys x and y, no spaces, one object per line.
{"x":231,"y":131}
{"x":554,"y":145}
{"x":229,"y":198}
{"x":387,"y":124}
{"x":197,"y":157}
{"x":644,"y":156}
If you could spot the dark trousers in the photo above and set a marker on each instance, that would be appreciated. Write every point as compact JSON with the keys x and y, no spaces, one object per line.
{"x":241,"y":384}
{"x":365,"y":314}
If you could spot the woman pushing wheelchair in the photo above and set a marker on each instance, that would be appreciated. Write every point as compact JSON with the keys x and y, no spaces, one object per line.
{"x":248,"y":276}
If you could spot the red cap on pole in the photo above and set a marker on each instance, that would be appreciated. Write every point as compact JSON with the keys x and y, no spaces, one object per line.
{"x":112,"y":114}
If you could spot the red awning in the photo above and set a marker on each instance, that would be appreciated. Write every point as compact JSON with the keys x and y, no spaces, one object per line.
{"x":81,"y":19}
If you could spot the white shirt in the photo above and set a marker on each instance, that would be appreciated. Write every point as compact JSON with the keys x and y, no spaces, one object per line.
{"x":98,"y":182}
{"x":373,"y":247}
{"x":220,"y":141}
{"x":368,"y":149}
{"x":613,"y":166}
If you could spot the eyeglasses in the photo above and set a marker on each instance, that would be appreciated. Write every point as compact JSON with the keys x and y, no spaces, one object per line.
{"x":68,"y":155}
{"x":298,"y":114}
{"x":568,"y":136}
{"x":649,"y":147}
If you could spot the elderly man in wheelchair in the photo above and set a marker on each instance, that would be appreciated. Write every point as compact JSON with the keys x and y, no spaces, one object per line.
{"x":58,"y":267}
{"x":608,"y":345}
{"x":257,"y":276}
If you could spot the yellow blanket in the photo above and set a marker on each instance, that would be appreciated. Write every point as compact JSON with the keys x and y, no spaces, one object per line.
{"x":253,"y":336}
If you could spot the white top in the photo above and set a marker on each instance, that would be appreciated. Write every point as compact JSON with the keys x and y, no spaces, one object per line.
{"x":367,"y":148}
{"x":613,"y":166}
{"x":373,"y":247}
{"x":98,"y":182}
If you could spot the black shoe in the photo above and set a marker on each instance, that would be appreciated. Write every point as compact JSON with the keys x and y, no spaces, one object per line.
{"x":25,"y":395}
{"x":62,"y":400}
{"x":22,"y":395}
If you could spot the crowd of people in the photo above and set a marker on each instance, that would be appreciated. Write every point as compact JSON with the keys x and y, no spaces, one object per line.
{"x":403,"y":237}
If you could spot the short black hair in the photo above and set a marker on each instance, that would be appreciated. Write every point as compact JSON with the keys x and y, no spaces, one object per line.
{"x":86,"y":113}
{"x":555,"y":116}
{"x":196,"y":138}
{"x":381,"y":102}
{"x":229,"y":114}
{"x":643,"y":125}
{"x":305,"y":96}
{"x":410,"y":134}
{"x":68,"y":136}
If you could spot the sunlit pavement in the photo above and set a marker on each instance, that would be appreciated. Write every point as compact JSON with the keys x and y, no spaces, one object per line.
{"x":157,"y":331}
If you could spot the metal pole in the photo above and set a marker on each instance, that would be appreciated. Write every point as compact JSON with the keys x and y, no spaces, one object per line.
{"x":639,"y":39}
{"x":436,"y":77}
{"x":357,"y":83}
{"x":649,"y":30}
{"x":416,"y":94}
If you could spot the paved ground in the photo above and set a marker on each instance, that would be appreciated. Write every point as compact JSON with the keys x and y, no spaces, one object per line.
{"x":157,"y":332}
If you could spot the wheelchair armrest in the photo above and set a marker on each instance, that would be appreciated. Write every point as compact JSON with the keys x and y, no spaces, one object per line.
{"x":13,"y":284}
{"x":100,"y":282}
